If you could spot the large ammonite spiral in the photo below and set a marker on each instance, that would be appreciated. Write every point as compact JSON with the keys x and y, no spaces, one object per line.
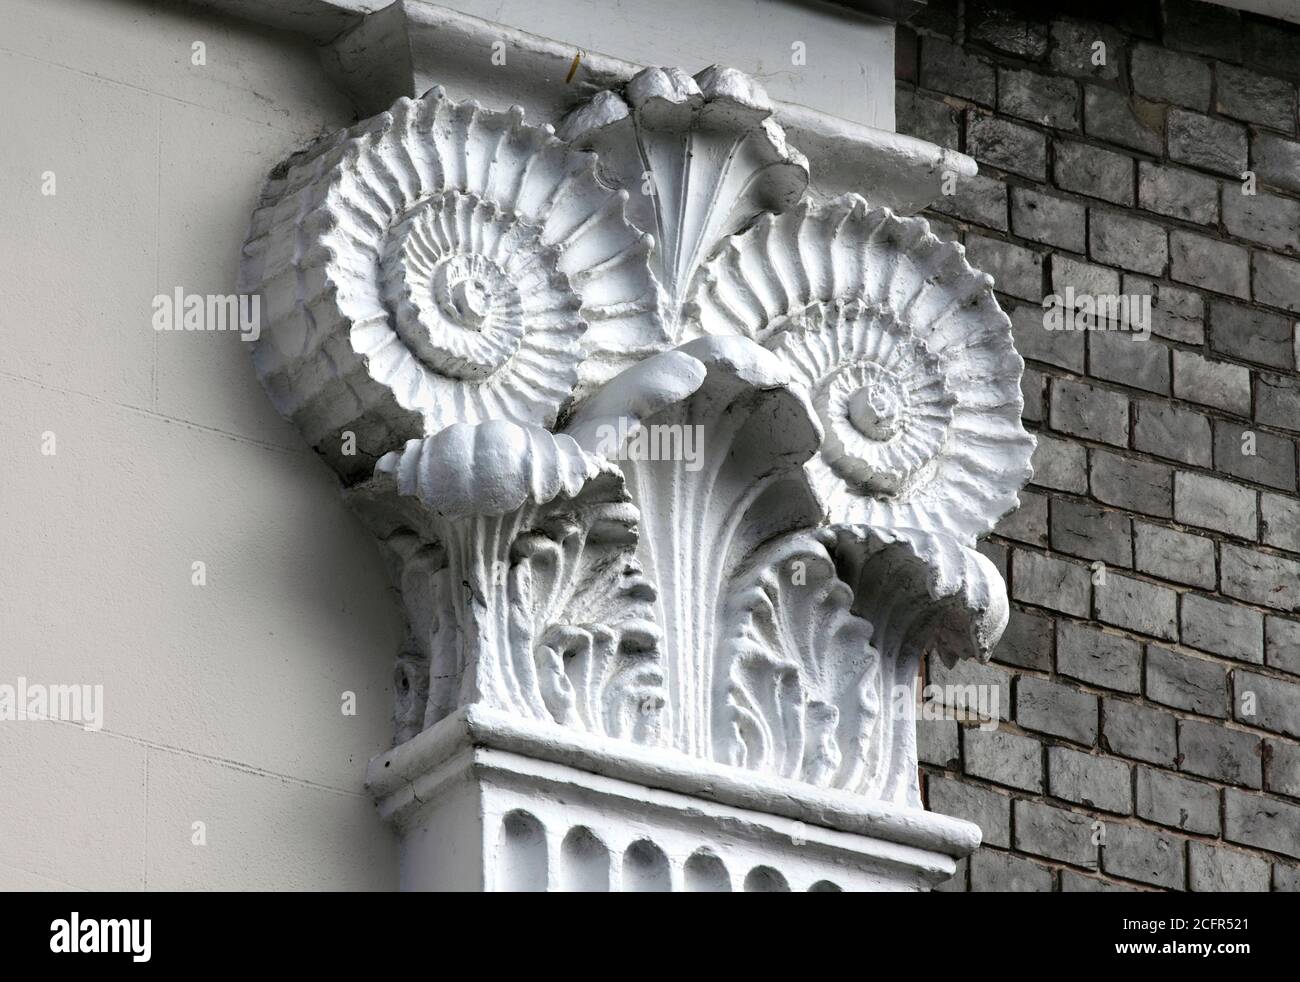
{"x":908,"y":359}
{"x":441,"y":264}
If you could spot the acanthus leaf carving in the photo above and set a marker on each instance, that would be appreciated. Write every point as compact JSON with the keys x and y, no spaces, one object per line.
{"x":798,"y":689}
{"x":514,"y":550}
{"x":733,"y":479}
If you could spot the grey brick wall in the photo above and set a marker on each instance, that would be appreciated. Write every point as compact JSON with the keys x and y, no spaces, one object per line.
{"x":1150,"y":676}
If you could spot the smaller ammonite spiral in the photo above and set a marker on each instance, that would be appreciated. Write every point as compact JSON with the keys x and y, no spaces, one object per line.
{"x":905,"y":353}
{"x":880,"y":394}
{"x":461,"y":301}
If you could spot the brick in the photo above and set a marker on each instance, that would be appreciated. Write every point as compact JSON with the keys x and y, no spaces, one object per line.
{"x":1098,"y":173}
{"x":1085,"y":278}
{"x":1144,"y":855}
{"x":1130,"y":359}
{"x":1255,"y":98}
{"x":1286,"y":878}
{"x":1271,"y":463}
{"x":1212,"y":869}
{"x":1282,"y":767}
{"x":1137,"y":605}
{"x":949,"y":69}
{"x":1282,"y":644}
{"x":1028,"y":641}
{"x":1121,"y":240}
{"x":1039,"y":98}
{"x":1139,"y":485}
{"x":1060,"y":465}
{"x":1211,"y":144}
{"x":1185,"y":682}
{"x":928,"y":119}
{"x":1262,"y":217}
{"x":1061,"y":348}
{"x":1003,"y":758}
{"x":1086,"y":531}
{"x":1028,"y":523}
{"x":1060,"y":710}
{"x":1046,"y":218}
{"x":1203,"y":29}
{"x":1087,"y":779}
{"x":1073,"y":49}
{"x":1266,"y":823}
{"x":1006,"y":145}
{"x":963,"y":682}
{"x":1278,"y":402}
{"x":1209,"y":263}
{"x":996,"y":553}
{"x":1052,"y":583}
{"x":1280,"y":521}
{"x":936,"y":742}
{"x":1140,"y":732}
{"x":1269,"y":581}
{"x":1172,"y":555}
{"x":1098,"y":658}
{"x":1007,"y":30}
{"x":1001,"y":872}
{"x":1212,"y":383}
{"x":1178,"y":193}
{"x":1033,"y":388}
{"x":1214,"y":504}
{"x":1015,"y":269}
{"x":1176,"y":313}
{"x":1226,"y":629}
{"x":978,"y":199}
{"x":1178,"y":802}
{"x":1270,"y":45}
{"x":1277,"y":281}
{"x":907,"y":58}
{"x":1276,"y":161}
{"x":988,"y":809}
{"x":1090,"y":412}
{"x":1213,"y":751}
{"x":937,"y":17}
{"x":1167,"y":76}
{"x":1072,"y":882}
{"x":1055,"y":833}
{"x":1171,"y":431}
{"x":959,"y":882}
{"x":1253,"y":335}
{"x":1276,"y":702}
{"x":1109,"y":116}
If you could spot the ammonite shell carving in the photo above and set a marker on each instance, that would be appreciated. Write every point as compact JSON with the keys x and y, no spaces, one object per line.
{"x":442,"y":264}
{"x":908,"y":358}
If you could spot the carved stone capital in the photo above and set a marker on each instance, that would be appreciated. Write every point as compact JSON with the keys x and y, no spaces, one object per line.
{"x":675,"y":459}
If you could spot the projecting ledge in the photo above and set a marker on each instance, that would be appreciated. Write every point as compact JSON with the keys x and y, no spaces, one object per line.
{"x":486,"y":801}
{"x":410,"y":46}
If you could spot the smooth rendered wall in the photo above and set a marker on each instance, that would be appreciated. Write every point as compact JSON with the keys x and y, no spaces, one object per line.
{"x":223,"y":702}
{"x":803,"y":51}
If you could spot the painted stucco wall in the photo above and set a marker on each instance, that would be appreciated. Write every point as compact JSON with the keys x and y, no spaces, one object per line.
{"x":222,"y":701}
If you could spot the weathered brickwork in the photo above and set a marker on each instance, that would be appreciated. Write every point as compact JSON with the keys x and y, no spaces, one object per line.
{"x":1148,"y":725}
